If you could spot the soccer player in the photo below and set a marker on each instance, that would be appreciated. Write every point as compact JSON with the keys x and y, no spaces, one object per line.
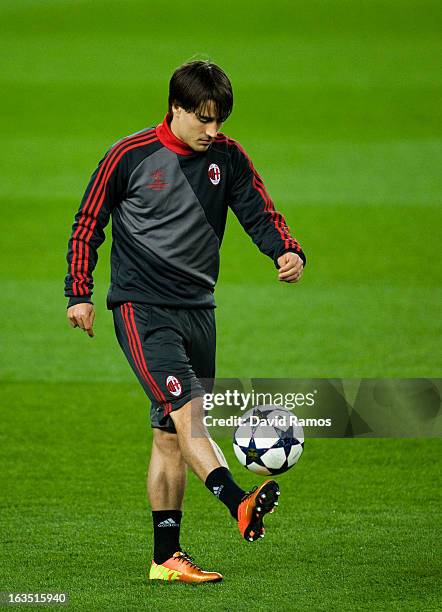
{"x":168,"y":189}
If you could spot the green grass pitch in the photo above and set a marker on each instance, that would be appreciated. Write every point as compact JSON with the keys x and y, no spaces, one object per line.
{"x":337,"y":103}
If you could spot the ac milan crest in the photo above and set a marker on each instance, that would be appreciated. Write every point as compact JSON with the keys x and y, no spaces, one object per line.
{"x":174,"y":386}
{"x":214,"y":174}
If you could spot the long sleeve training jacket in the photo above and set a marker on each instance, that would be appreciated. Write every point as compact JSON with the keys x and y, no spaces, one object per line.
{"x":169,"y":207}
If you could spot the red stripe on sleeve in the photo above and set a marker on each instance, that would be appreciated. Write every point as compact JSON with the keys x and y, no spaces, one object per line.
{"x":258,"y":185}
{"x":92,"y":206}
{"x":100,"y":201}
{"x":84,"y":220}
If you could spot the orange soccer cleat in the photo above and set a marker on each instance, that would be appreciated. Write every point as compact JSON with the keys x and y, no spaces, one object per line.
{"x":254,"y":506}
{"x":180,"y":567}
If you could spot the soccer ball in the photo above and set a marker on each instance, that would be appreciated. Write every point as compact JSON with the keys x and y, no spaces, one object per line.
{"x":268,"y":440}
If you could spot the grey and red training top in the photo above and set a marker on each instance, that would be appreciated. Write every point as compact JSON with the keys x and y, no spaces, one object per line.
{"x":169,"y":206}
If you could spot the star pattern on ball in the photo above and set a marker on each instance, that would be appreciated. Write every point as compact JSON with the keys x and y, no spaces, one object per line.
{"x":286,"y":439}
{"x":252,"y":453}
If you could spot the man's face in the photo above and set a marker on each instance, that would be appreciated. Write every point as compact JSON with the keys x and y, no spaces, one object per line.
{"x":198,"y":129}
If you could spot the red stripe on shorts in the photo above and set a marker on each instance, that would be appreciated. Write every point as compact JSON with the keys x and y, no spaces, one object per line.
{"x":137,"y":353}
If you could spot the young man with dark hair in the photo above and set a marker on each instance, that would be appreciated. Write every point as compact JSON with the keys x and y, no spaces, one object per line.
{"x":168,"y":189}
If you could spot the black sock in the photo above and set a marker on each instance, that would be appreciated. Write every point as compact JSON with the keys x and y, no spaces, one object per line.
{"x":222,"y":485}
{"x":166,"y":533}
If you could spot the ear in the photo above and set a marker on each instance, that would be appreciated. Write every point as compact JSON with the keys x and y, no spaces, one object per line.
{"x":176,"y":110}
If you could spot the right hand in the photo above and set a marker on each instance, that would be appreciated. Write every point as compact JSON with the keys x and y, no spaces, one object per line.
{"x":82,"y":315}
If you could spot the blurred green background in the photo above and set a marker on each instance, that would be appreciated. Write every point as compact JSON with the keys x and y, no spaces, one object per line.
{"x":339,"y":105}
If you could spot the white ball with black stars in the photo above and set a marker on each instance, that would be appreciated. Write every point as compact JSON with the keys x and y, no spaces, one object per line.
{"x":268,"y":441}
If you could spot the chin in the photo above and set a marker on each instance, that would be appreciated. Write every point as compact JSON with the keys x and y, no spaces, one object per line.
{"x":200,"y":147}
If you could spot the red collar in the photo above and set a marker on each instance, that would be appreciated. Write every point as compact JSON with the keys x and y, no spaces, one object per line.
{"x":169,"y":140}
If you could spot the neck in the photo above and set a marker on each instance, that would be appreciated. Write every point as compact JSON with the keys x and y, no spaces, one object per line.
{"x":170,"y":139}
{"x":174,"y":129}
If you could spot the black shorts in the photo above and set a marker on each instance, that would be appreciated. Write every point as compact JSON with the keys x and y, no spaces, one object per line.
{"x":169,"y":349}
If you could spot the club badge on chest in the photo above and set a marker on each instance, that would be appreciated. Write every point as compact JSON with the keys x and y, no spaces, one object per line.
{"x":214,"y":174}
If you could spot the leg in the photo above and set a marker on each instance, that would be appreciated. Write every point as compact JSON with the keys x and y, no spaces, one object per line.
{"x":200,"y":454}
{"x":166,"y":481}
{"x":198,"y":449}
{"x":166,"y":478}
{"x":165,"y":484}
{"x":204,"y":456}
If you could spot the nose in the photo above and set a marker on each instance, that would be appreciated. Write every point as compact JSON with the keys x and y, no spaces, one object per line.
{"x":212,"y":129}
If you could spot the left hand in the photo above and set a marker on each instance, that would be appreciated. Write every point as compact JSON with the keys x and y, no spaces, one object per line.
{"x":291,"y":268}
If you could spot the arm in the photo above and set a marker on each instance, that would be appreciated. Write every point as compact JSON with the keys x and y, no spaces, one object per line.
{"x":255,"y":211}
{"x":104,"y":191}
